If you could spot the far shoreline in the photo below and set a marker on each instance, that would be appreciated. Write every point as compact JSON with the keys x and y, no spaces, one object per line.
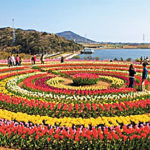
{"x":117,"y":48}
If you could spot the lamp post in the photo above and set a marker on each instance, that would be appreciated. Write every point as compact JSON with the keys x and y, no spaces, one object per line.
{"x":14,"y":40}
{"x":14,"y":34}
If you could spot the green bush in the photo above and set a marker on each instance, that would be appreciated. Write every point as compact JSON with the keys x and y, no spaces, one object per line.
{"x":76,"y":57}
{"x":137,"y":60}
{"x":115,"y":59}
{"x":97,"y":58}
{"x":86,"y":81}
{"x":121,"y":59}
{"x":85,"y":58}
{"x":128,"y":59}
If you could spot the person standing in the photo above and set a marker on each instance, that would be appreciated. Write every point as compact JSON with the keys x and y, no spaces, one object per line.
{"x":17,"y":60}
{"x":141,"y":59}
{"x":62,"y":59}
{"x":132,"y":72}
{"x":9,"y":61}
{"x":20,"y":61}
{"x":144,"y":76}
{"x":42,"y":59}
{"x":34,"y":59}
{"x":12,"y":59}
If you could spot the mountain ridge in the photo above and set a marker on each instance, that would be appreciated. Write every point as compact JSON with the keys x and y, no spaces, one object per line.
{"x":69,"y":35}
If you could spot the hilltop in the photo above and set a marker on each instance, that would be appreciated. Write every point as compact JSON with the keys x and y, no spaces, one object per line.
{"x":34,"y":42}
{"x":69,"y":35}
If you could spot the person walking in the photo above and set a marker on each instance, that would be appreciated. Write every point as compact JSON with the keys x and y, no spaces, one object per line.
{"x":42,"y":59}
{"x":132,"y":72}
{"x":144,"y":76}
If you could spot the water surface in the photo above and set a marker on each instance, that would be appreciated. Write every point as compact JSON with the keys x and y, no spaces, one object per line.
{"x":110,"y":54}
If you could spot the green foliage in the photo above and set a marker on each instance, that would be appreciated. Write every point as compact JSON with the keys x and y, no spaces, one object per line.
{"x":115,"y":59}
{"x":128,"y":59}
{"x":44,"y":33}
{"x":4,"y":55}
{"x":137,"y":60}
{"x":97,"y":58}
{"x":85,"y":58}
{"x":76,"y":57}
{"x":86,"y":81}
{"x":33,"y":42}
{"x":121,"y":59}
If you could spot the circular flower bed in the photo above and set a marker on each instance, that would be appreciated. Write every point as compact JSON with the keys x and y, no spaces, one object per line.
{"x":40,"y":110}
{"x":85,"y":79}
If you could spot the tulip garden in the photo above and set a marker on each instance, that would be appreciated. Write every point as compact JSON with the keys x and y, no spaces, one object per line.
{"x":74,"y":105}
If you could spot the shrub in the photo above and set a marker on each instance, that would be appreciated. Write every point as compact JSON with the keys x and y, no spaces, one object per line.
{"x":128,"y":59}
{"x":85,"y":79}
{"x":115,"y":59}
{"x":85,"y":58}
{"x":137,"y":60}
{"x":121,"y":59}
{"x":44,"y":33}
{"x":96,"y":58}
{"x":89,"y":58}
{"x":76,"y":57}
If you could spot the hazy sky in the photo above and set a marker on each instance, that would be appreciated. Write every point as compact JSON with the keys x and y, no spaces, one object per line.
{"x":100,"y":20}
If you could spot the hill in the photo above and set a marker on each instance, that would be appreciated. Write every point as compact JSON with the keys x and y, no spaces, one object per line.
{"x":34,"y":42}
{"x":69,"y":35}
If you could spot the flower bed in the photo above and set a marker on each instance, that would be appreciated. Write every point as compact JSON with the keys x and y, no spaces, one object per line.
{"x":109,"y":97}
{"x":84,"y":110}
{"x":38,"y":110}
{"x":85,"y":79}
{"x":33,"y":137}
{"x":12,"y":69}
{"x":40,"y":86}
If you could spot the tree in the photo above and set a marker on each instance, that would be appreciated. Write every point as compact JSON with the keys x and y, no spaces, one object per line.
{"x":115,"y":59}
{"x":121,"y":59}
{"x":96,"y":58}
{"x":128,"y":59}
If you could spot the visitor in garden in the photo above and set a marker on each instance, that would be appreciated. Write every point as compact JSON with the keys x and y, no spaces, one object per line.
{"x":20,"y":61}
{"x":141,"y":59}
{"x":12,"y":59}
{"x":62,"y":59}
{"x":42,"y":59}
{"x":9,"y":61}
{"x":146,"y":62}
{"x":17,"y":60}
{"x":34,"y":59}
{"x":132,"y":72}
{"x":144,"y":76}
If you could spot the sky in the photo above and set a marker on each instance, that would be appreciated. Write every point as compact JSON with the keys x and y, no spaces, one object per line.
{"x":99,"y":20}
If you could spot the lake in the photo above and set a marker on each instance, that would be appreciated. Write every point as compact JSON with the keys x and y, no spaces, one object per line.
{"x":110,"y":54}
